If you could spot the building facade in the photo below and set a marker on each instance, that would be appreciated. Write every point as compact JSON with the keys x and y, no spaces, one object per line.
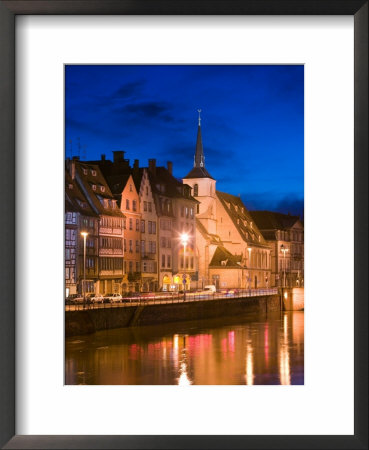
{"x":79,"y":218}
{"x":110,"y":228}
{"x":285,"y":235}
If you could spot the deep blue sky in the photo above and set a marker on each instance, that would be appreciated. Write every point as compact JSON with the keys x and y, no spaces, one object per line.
{"x":252,"y":123}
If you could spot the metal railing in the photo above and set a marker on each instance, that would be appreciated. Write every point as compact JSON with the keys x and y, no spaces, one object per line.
{"x":172,"y":297}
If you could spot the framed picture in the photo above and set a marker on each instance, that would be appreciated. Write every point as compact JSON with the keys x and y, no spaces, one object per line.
{"x":208,"y":45}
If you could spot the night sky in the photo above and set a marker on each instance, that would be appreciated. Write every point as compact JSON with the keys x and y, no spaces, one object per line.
{"x":252,"y":123}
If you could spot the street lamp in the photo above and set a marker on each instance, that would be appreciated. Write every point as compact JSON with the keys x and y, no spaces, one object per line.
{"x":84,"y":234}
{"x":184,"y":240}
{"x":284,"y":250}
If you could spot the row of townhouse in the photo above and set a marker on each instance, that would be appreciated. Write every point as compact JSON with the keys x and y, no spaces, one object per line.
{"x":134,"y":220}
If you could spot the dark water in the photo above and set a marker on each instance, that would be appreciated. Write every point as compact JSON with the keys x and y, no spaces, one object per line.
{"x":244,"y":350}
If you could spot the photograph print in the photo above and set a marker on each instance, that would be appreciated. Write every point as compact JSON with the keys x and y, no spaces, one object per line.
{"x":184,"y":225}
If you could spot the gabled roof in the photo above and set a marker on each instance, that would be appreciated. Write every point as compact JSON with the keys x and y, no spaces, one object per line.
{"x":270,"y":220}
{"x":94,"y":186}
{"x":75,"y":200}
{"x":242,"y":219}
{"x":224,"y":258}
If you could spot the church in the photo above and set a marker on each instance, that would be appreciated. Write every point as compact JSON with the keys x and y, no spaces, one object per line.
{"x":231,"y":251}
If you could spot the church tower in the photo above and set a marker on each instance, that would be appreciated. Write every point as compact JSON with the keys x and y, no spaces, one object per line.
{"x":203,"y":186}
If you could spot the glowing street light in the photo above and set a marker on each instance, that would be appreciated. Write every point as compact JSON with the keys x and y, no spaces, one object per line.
{"x":284,"y":250}
{"x":184,"y":241}
{"x":84,"y":234}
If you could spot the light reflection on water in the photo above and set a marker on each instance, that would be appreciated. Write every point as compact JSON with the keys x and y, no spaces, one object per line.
{"x":244,"y":350}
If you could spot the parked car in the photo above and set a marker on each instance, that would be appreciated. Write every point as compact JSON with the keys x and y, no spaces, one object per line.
{"x":95,"y":298}
{"x":116,"y":298}
{"x":211,"y":288}
{"x":74,"y":299}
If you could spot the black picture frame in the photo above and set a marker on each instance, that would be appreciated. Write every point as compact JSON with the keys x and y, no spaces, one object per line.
{"x":8,"y":12}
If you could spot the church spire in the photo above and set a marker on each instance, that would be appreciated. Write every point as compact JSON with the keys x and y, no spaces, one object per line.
{"x":199,"y":170}
{"x":199,"y":160}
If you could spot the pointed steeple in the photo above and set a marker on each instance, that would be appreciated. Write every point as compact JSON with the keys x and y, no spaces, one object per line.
{"x":199,"y":160}
{"x":199,"y":170}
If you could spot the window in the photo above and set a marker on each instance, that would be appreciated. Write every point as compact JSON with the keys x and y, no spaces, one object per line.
{"x":124,"y":224}
{"x":143,"y":250}
{"x":168,"y":261}
{"x":125,"y":245}
{"x":147,"y":190}
{"x":142,"y":226}
{"x":163,"y":261}
{"x":197,"y":209}
{"x":84,"y":171}
{"x":130,"y":246}
{"x":137,"y":266}
{"x":169,"y":243}
{"x":145,"y":206}
{"x":191,"y":213}
{"x":90,"y":263}
{"x":150,"y":206}
{"x":163,"y":242}
{"x":137,"y":225}
{"x":191,"y":262}
{"x":137,"y":246}
{"x":67,"y":253}
{"x":93,"y":172}
{"x":94,"y":187}
{"x":186,"y":211}
{"x":130,"y":266}
{"x":102,"y":188}
{"x":127,"y":204}
{"x":67,"y":273}
{"x":130,"y":188}
{"x":153,"y":227}
{"x":196,"y":190}
{"x":131,"y":224}
{"x":134,"y":205}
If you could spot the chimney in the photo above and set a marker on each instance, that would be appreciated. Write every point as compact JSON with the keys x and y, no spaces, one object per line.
{"x":170,"y":167}
{"x":103,"y":157}
{"x":136,"y":164}
{"x":118,"y":156}
{"x":152,"y":166}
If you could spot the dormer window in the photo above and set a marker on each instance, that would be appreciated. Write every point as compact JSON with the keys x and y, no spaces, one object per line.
{"x":84,"y":171}
{"x":114,"y":204}
{"x":102,"y":188}
{"x":259,"y":238}
{"x":236,"y":208}
{"x":251,"y":224}
{"x":70,"y":186}
{"x":106,"y":203}
{"x":93,"y":173}
{"x":94,"y":187}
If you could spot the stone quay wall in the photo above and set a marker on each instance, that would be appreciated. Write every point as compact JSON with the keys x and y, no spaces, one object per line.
{"x":91,"y":320}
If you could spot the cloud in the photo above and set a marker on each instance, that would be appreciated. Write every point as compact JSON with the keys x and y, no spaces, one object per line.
{"x":129,"y":89}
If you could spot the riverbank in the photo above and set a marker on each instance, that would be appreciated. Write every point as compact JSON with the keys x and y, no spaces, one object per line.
{"x":90,"y":321}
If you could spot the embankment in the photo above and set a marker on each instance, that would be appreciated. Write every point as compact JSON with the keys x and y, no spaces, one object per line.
{"x":89,"y":321}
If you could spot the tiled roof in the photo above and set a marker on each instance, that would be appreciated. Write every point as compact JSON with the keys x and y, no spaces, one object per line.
{"x":75,"y":200}
{"x":96,"y":189}
{"x":222,"y":257}
{"x":198,"y":172}
{"x":269,"y":220}
{"x":242,"y":219}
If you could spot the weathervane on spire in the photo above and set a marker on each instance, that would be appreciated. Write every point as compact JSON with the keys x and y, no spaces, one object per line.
{"x":199,"y":111}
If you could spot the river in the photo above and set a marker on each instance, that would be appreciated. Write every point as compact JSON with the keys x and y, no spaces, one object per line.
{"x":252,"y":350}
